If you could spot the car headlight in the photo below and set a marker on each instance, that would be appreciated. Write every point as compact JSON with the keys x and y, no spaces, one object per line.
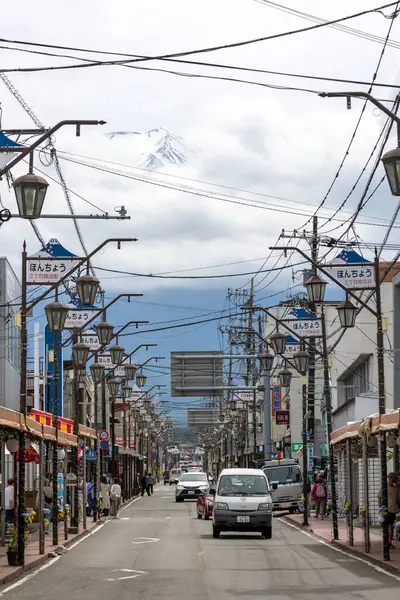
{"x":221,"y":506}
{"x":179,"y":487}
{"x":265,"y":506}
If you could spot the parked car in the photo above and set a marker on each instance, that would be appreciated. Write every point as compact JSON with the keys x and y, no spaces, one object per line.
{"x":166,"y":477}
{"x":205,"y":506}
{"x":190,"y":486}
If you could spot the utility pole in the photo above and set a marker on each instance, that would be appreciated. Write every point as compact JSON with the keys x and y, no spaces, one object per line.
{"x":310,"y":424}
{"x":250,"y":362}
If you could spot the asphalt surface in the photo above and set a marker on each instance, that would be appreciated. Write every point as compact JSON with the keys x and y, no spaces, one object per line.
{"x":159,"y":549}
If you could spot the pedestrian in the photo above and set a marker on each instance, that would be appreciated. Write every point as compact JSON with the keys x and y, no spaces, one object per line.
{"x":150,"y":484}
{"x":307,"y":491}
{"x":393,"y":506}
{"x":48,"y":503}
{"x":104,"y":496}
{"x":9,"y":502}
{"x":90,"y":497}
{"x":319,"y":495}
{"x":143,"y":483}
{"x":115,"y":497}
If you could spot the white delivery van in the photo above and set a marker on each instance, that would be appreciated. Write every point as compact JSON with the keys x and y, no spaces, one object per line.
{"x":242,"y":502}
{"x":286,"y":481}
{"x":174,"y":476}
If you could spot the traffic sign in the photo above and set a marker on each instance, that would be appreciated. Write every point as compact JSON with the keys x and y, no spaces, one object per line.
{"x":91,"y":454}
{"x":104,"y":435}
{"x":104,"y":445}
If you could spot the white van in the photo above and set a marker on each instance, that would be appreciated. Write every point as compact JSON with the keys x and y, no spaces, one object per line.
{"x":174,"y":476}
{"x":242,"y":502}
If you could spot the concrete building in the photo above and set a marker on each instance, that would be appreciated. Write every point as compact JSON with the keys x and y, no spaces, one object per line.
{"x":10,"y":295}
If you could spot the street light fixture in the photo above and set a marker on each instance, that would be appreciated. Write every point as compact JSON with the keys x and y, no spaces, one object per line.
{"x":315,"y":288}
{"x":30,"y":191}
{"x":126,"y":390}
{"x":285,"y":377}
{"x":278,"y":342}
{"x":117,"y":354}
{"x":97,"y":371}
{"x":391,"y":162}
{"x":267,"y":360}
{"x":56,"y":314}
{"x":301,"y":361}
{"x":347,"y":313}
{"x":130,"y":371}
{"x":105,"y":332}
{"x":87,"y":286}
{"x":80,"y":353}
{"x":141,"y":379}
{"x":113,"y":385}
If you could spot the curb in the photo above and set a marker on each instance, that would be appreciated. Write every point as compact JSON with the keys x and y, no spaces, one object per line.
{"x":45,"y":557}
{"x":339,"y":545}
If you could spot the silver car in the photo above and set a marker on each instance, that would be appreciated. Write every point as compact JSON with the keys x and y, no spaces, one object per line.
{"x":191,"y":485}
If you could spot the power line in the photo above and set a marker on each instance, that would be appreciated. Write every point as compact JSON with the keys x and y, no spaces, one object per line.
{"x":189,"y":52}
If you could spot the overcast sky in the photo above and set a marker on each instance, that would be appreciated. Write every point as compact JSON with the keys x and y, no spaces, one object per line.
{"x":282,"y":143}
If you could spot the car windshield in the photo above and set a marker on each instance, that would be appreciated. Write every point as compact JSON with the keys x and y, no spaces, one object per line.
{"x":284,"y":474}
{"x":239,"y":485}
{"x":194,"y":477}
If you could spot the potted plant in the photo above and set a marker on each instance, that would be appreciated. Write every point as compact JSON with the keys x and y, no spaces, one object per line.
{"x":12,"y":550}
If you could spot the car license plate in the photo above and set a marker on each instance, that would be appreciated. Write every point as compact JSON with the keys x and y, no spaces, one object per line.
{"x":286,"y":505}
{"x":242,"y":519}
{"x":191,"y":492}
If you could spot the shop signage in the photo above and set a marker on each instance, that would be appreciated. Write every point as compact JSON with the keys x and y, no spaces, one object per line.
{"x":282,"y":417}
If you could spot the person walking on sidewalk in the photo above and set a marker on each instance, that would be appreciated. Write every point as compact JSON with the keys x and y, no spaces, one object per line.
{"x":104,"y":496}
{"x":150,"y":484}
{"x":393,"y":506}
{"x":115,"y":497}
{"x":143,"y":484}
{"x":319,"y":495}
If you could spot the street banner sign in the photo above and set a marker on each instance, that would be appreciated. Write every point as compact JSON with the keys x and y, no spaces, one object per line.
{"x":51,"y":263}
{"x":105,"y":359}
{"x":292,"y":346}
{"x":282,"y":417}
{"x":276,"y":394}
{"x":91,"y":339}
{"x":303,"y":323}
{"x":352,"y":270}
{"x":310,"y":457}
{"x":79,"y":315}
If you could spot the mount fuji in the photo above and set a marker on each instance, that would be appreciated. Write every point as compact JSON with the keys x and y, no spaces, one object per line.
{"x":159,"y":146}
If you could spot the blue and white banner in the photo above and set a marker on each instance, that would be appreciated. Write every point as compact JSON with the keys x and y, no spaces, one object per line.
{"x":352,"y":270}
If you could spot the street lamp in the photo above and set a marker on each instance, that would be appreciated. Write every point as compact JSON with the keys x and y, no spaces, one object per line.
{"x":391,"y":162}
{"x":126,"y":390}
{"x":278,"y":342}
{"x":301,"y":361}
{"x":105,"y":332}
{"x":87,"y":286}
{"x":56,"y":314}
{"x":315,"y":288}
{"x":347,"y":313}
{"x":80,"y":353}
{"x":130,"y":371}
{"x":267,"y":360}
{"x":113,"y":385}
{"x":97,"y":371}
{"x":285,"y":377}
{"x":30,"y":191}
{"x":141,"y":379}
{"x":117,"y":354}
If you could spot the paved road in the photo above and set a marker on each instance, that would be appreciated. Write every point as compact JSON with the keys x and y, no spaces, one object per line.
{"x":160,"y":550}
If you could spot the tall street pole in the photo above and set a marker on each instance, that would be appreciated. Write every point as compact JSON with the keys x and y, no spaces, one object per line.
{"x":55,"y":446}
{"x":328,"y":420}
{"x":96,"y":449}
{"x":267,"y":415}
{"x":22,"y":408}
{"x":75,"y":450}
{"x":113,"y":448}
{"x":382,"y":402}
{"x":305,"y":452}
{"x":310,"y":424}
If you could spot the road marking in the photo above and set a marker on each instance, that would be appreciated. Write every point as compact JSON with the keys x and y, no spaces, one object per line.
{"x":136,"y":574}
{"x":28,"y":577}
{"x":125,"y":519}
{"x":336,"y":549}
{"x":146,"y":540}
{"x":200,"y":556}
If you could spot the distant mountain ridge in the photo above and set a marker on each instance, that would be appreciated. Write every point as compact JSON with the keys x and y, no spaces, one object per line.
{"x":161,"y":147}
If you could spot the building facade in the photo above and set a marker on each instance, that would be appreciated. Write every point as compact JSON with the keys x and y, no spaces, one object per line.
{"x":10,"y":295}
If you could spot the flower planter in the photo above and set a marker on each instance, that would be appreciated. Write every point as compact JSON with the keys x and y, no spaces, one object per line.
{"x":12,"y":557}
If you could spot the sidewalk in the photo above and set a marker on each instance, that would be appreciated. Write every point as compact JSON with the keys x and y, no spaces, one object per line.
{"x":34,"y":559}
{"x":323,"y":530}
